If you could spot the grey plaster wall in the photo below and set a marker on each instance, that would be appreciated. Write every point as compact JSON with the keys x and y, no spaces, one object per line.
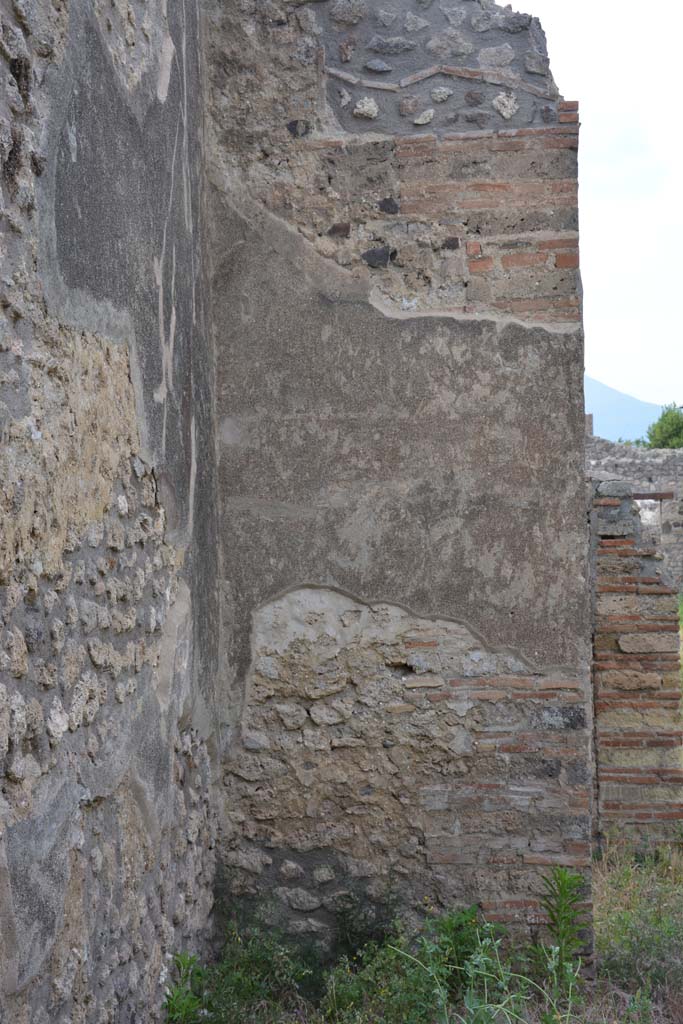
{"x":108,"y":595}
{"x":408,"y":460}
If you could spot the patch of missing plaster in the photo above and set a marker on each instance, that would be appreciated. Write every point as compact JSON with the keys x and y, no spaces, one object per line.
{"x":312,"y":614}
{"x":367,"y":757}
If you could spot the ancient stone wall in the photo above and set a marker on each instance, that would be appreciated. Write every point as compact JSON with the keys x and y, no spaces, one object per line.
{"x":658,"y":471}
{"x":403,"y":528}
{"x":107,"y":652}
{"x":637,"y":680}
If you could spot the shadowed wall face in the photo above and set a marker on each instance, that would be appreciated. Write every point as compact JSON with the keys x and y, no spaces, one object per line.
{"x":106,"y":511}
{"x":404,"y":534}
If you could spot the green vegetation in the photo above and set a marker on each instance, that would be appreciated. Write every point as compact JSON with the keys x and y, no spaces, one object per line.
{"x":462,"y":970}
{"x":667,"y":431}
{"x":639,"y":920}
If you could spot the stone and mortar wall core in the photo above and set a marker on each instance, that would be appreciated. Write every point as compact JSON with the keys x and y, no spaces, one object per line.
{"x":647,"y":471}
{"x":474,"y":213}
{"x":404,"y":540}
{"x":107,"y":664}
{"x":389,"y":759}
{"x":637,"y":677}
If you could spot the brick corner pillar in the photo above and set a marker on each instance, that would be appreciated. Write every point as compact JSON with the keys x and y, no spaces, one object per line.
{"x":637,"y":675}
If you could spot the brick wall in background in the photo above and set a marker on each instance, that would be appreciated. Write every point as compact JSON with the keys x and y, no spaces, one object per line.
{"x":637,"y":682}
{"x":648,"y":471}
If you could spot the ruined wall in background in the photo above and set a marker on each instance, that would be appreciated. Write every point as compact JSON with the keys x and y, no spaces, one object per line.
{"x":106,"y":498}
{"x":637,"y":680}
{"x":403,"y":527}
{"x":647,"y":471}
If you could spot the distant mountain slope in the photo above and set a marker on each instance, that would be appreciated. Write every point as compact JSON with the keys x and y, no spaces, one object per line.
{"x":616,"y":415}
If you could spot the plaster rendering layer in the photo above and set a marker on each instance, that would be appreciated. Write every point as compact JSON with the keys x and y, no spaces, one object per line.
{"x":411,"y":302}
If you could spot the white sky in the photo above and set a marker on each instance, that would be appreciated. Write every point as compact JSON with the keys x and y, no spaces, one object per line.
{"x":622,"y":60}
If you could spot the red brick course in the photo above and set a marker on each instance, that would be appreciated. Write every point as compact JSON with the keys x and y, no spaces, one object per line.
{"x":637,"y":693}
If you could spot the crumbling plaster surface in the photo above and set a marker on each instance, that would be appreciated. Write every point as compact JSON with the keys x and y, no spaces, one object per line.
{"x":391,"y":456}
{"x":374,"y":460}
{"x":107,"y":646}
{"x":478,"y":219}
{"x":388,"y":759}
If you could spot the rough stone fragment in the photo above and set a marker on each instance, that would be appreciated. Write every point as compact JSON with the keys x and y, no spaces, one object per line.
{"x":483,"y":21}
{"x":629,"y":680}
{"x":614,"y":489}
{"x":378,"y":67}
{"x":366,"y":108}
{"x":474,"y":98}
{"x":536,"y":63}
{"x":323,"y":875}
{"x":408,"y":105}
{"x":496,"y":56}
{"x":345,"y":97}
{"x":291,"y":871}
{"x":379,"y":257}
{"x":477,"y":117}
{"x":413,"y":23}
{"x":506,"y":105}
{"x":455,"y":16}
{"x":391,"y":45}
{"x":254,"y":740}
{"x":513,"y":22}
{"x":323,"y":714}
{"x":348,"y":12}
{"x":293,"y":715}
{"x":299,"y":899}
{"x":450,"y":43}
{"x":299,"y":128}
{"x":425,"y":117}
{"x":57,"y":720}
{"x":389,"y":205}
{"x":386,"y":18}
{"x":15,"y":645}
{"x":649,"y":643}
{"x":441,"y":94}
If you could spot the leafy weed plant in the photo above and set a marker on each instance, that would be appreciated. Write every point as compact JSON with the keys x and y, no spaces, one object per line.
{"x":461,"y":970}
